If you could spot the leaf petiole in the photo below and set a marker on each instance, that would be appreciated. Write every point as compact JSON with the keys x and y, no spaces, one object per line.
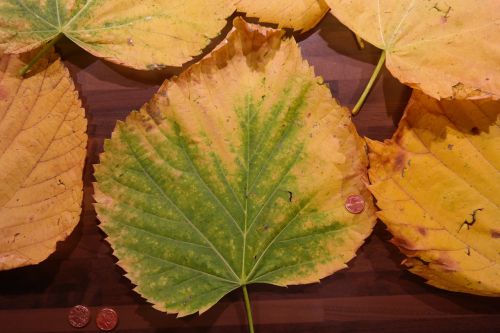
{"x":248,"y":308}
{"x":369,"y":86}
{"x":359,"y":41}
{"x":40,"y":54}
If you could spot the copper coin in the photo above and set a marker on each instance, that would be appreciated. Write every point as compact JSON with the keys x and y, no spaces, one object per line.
{"x":355,"y":204}
{"x":79,"y":316}
{"x":107,"y":319}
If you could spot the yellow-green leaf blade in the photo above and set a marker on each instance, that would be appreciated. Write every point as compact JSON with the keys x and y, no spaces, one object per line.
{"x":139,"y":34}
{"x":42,"y":149}
{"x":298,"y":15}
{"x":25,"y":25}
{"x":437,"y":183}
{"x":235,"y":173}
{"x":448,"y":49}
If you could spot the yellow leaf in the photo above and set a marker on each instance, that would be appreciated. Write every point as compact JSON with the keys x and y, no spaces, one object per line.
{"x":142,"y":34}
{"x":42,"y":149}
{"x":296,"y":14}
{"x":236,"y":172}
{"x":445,"y":48}
{"x":437,"y":183}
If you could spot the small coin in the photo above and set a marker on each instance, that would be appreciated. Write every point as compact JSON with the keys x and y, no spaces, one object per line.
{"x":355,"y":204}
{"x":107,"y":319}
{"x":79,"y":316}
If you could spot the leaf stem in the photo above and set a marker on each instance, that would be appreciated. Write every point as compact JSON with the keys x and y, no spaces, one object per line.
{"x":39,"y":54}
{"x":369,"y":86}
{"x":360,"y":41}
{"x":248,"y":308}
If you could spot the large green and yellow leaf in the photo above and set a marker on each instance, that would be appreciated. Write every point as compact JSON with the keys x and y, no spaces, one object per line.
{"x":437,"y":183}
{"x":143,"y":34}
{"x":448,"y":49}
{"x":236,"y":172}
{"x":297,"y":14}
{"x":42,"y":149}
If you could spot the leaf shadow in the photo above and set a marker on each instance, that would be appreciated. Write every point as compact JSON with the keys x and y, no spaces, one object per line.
{"x":79,"y":60}
{"x":396,"y":96}
{"x":194,"y":323}
{"x":443,"y":301}
{"x":343,"y":41}
{"x":30,"y":286}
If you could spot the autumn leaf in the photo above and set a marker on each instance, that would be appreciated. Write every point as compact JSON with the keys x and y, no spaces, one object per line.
{"x":142,"y":34}
{"x":437,"y":183}
{"x":236,"y":172}
{"x":298,"y":15}
{"x":42,"y":149}
{"x":448,"y":49}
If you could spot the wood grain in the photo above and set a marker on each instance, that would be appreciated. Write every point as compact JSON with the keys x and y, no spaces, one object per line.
{"x":374,"y":294}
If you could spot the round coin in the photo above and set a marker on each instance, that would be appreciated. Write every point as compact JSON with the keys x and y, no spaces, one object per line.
{"x":355,"y":204}
{"x":107,"y":319}
{"x":79,"y":316}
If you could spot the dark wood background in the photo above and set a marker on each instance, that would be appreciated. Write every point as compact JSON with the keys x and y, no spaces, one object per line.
{"x":374,"y":294}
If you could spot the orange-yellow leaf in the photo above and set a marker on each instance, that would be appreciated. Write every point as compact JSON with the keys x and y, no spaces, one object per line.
{"x":437,"y":183}
{"x":143,"y":34}
{"x":42,"y":148}
{"x":296,"y":14}
{"x":445,"y":48}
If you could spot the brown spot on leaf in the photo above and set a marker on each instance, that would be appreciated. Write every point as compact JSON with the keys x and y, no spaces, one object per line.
{"x":400,"y":161}
{"x":15,"y":236}
{"x":472,"y":219}
{"x":495,"y":233}
{"x":403,"y":243}
{"x":398,"y":136}
{"x":461,"y":91}
{"x":154,"y":112}
{"x":446,"y":263}
{"x":474,"y":130}
{"x":422,"y":231}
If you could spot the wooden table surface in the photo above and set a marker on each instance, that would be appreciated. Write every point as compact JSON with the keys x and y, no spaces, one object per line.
{"x":374,"y":294}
